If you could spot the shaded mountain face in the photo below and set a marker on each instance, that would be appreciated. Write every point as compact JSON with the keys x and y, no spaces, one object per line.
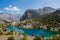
{"x":36,"y":13}
{"x":52,"y":19}
{"x":55,"y":15}
{"x":30,"y":14}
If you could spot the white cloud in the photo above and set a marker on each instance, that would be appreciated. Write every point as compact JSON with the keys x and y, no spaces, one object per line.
{"x":0,"y":11}
{"x":12,"y":9}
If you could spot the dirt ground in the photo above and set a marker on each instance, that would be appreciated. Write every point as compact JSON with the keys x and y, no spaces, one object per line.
{"x":4,"y":37}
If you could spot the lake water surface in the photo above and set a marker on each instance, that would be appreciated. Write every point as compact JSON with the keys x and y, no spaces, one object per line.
{"x":30,"y":32}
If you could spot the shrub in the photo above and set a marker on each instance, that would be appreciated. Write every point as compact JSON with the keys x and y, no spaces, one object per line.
{"x":11,"y":38}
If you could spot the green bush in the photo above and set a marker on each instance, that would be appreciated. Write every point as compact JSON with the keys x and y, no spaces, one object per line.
{"x":11,"y":38}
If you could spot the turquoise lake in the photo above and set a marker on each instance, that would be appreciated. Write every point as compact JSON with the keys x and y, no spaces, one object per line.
{"x":30,"y":32}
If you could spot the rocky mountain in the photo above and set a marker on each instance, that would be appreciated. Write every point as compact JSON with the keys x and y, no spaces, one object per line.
{"x":31,"y":13}
{"x":9,"y":17}
{"x":49,"y":21}
{"x":51,"y":18}
{"x":46,"y":10}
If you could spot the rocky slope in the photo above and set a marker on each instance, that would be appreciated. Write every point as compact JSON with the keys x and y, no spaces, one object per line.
{"x":9,"y":17}
{"x":49,"y":21}
{"x":46,"y":10}
{"x":31,"y":13}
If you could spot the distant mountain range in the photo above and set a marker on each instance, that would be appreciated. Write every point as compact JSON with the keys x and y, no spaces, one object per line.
{"x":46,"y":10}
{"x":9,"y":17}
{"x":31,"y":13}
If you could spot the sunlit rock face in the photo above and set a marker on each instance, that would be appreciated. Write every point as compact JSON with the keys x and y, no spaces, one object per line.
{"x":46,"y":10}
{"x":9,"y":17}
{"x":30,"y":13}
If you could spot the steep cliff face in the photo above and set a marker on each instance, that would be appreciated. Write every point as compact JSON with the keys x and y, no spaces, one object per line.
{"x":30,"y":14}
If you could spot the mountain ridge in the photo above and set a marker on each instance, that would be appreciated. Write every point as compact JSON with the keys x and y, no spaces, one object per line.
{"x":31,"y":13}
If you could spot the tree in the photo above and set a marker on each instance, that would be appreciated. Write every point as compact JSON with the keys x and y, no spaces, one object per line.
{"x":11,"y":38}
{"x":25,"y":37}
{"x":37,"y":38}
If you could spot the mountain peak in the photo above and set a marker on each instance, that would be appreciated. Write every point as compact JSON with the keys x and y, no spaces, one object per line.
{"x":30,"y":13}
{"x":48,"y":8}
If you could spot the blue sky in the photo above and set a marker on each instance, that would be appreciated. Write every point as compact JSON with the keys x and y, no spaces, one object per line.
{"x":22,"y":5}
